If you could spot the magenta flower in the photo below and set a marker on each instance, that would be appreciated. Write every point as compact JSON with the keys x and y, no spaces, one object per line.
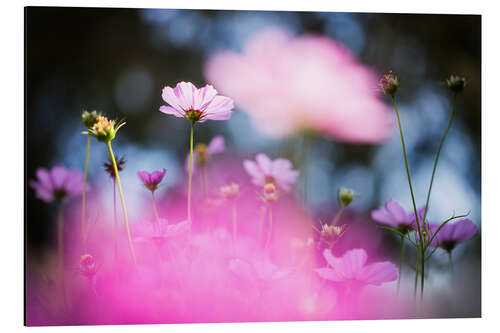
{"x":292,"y":83}
{"x":452,"y":234}
{"x":58,"y":183}
{"x":196,"y":105}
{"x":203,"y":153}
{"x":153,"y":179}
{"x":264,"y":171}
{"x":394,"y":215}
{"x":351,"y":267}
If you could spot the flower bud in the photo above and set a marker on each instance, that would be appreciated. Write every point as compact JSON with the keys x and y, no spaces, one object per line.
{"x":202,"y":155}
{"x":456,"y":83}
{"x":89,"y":118}
{"x":104,"y":129}
{"x":389,"y":83}
{"x":345,"y":196}
{"x":270,"y":193}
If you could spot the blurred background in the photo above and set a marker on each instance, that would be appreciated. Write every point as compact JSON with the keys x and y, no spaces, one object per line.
{"x":118,"y":60}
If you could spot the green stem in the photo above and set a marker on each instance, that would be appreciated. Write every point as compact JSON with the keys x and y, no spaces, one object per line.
{"x":419,"y":230}
{"x":401,"y":260}
{"x":451,"y":262}
{"x":438,"y":154}
{"x":337,"y":216}
{"x":115,"y":219}
{"x":190,"y":175}
{"x":84,"y":231}
{"x":416,"y":274}
{"x":155,"y":208}
{"x":124,"y":208}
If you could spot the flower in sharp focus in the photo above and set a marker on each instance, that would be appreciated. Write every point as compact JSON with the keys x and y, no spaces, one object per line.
{"x":452,"y":234}
{"x":230,"y":192}
{"x":58,"y":183}
{"x":395,"y":216}
{"x":203,"y":153}
{"x":287,"y":83}
{"x":389,"y":83}
{"x":89,"y":118}
{"x":352,"y":268}
{"x":278,"y":172}
{"x":456,"y":83}
{"x":345,"y":196}
{"x":88,"y":267}
{"x":120,"y":165}
{"x":196,"y":105}
{"x":151,"y":180}
{"x":104,"y":129}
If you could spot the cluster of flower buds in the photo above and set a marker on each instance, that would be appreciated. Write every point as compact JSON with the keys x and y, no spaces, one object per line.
{"x":389,"y":83}
{"x":230,"y":192}
{"x":456,"y":83}
{"x":332,"y":233}
{"x":100,"y":126}
{"x":270,"y":193}
{"x":89,"y":118}
{"x":88,"y":267}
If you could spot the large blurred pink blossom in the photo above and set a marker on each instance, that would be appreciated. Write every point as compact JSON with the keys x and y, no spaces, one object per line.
{"x":264,"y":170}
{"x":308,"y":82}
{"x":351,"y":267}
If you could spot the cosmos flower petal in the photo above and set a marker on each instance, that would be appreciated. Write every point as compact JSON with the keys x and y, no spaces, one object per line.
{"x":169,"y":97}
{"x":184,"y":91}
{"x":172,"y":111}
{"x":329,"y":274}
{"x":378,"y":273}
{"x":396,"y":210}
{"x":265,"y":164}
{"x":254,"y":171}
{"x":203,"y":97}
{"x":220,"y":108}
{"x":353,"y":261}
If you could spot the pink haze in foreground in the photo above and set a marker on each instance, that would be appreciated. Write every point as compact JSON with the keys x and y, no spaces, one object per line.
{"x":208,"y":278}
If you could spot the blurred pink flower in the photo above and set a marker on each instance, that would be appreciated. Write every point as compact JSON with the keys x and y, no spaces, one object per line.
{"x":452,"y":234}
{"x":196,"y":105}
{"x":58,"y":183}
{"x":158,"y":231}
{"x":264,"y":170}
{"x":351,"y":267}
{"x":309,"y":82}
{"x":262,"y":269}
{"x":153,"y":179}
{"x":203,"y":153}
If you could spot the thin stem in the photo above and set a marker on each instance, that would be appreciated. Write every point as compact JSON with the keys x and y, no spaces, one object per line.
{"x":438,"y":154}
{"x":190,"y":174}
{"x":270,"y":232}
{"x":401,"y":260}
{"x":115,"y":219}
{"x":450,"y":259}
{"x":416,"y":274}
{"x":155,"y":207}
{"x":83,"y":229}
{"x":124,"y":208}
{"x":422,"y":256}
{"x":337,"y":216}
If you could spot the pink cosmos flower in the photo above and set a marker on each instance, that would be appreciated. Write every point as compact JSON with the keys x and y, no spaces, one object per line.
{"x":203,"y":153}
{"x":153,"y":179}
{"x":263,"y":270}
{"x":452,"y":234}
{"x":309,"y":82}
{"x":351,"y":267}
{"x":196,"y":105}
{"x":264,"y":170}
{"x":58,"y":183}
{"x":394,"y":215}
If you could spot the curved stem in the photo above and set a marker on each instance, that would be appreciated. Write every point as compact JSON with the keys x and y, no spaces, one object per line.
{"x":401,"y":260}
{"x":190,"y":175}
{"x":419,"y":230}
{"x":337,"y":216}
{"x":124,"y":208}
{"x":438,"y":154}
{"x":83,"y":229}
